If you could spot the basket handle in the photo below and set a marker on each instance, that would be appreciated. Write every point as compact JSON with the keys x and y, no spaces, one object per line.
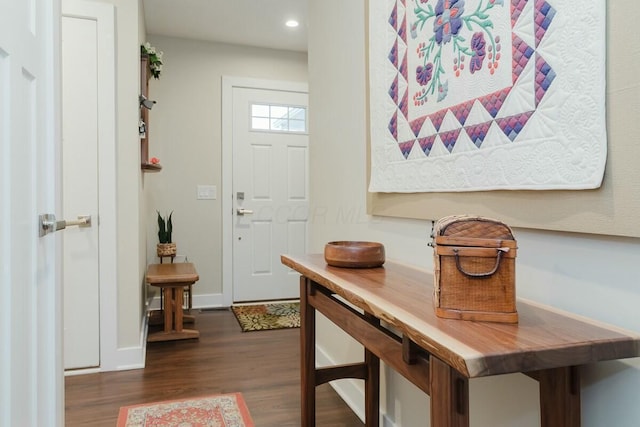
{"x":478,"y":275}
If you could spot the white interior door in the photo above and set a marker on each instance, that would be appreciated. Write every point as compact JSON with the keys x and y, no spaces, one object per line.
{"x":31,"y":385}
{"x":270,"y":191}
{"x":90,"y":184}
{"x":80,"y":192}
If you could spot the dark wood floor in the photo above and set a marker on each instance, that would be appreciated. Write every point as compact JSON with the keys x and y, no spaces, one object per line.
{"x":263,"y":366}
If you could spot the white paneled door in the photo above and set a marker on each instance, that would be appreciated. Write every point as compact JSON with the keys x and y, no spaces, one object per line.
{"x":80,"y":191}
{"x":270,"y":191}
{"x":88,"y":183}
{"x":31,"y":382}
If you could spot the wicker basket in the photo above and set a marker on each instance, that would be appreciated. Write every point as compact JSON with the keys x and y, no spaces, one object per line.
{"x":474,"y":263}
{"x":166,"y":249}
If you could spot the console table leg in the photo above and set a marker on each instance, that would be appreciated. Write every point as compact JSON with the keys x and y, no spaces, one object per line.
{"x":449,"y":392}
{"x":372,"y":390}
{"x":307,"y":357}
{"x":560,"y":397}
{"x":372,"y":383}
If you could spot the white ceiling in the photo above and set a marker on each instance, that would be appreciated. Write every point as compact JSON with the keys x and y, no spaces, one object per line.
{"x":246,"y":22}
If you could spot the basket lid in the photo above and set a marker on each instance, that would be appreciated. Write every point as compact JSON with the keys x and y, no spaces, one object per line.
{"x":472,"y":226}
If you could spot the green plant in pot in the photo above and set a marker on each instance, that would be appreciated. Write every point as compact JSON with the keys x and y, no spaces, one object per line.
{"x":165,"y":228}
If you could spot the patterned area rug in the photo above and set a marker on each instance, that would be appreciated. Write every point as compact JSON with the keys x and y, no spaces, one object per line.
{"x":222,"y":410}
{"x":262,"y":317}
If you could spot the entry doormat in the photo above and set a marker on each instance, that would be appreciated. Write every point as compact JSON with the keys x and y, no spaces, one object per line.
{"x":222,"y":410}
{"x":262,"y":317}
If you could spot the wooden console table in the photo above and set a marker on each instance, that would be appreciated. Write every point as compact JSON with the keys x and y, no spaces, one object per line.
{"x":439,"y":355}
{"x":172,"y":278}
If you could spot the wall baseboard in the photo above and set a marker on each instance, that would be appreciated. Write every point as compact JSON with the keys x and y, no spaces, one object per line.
{"x":123,"y":359}
{"x":131,"y":358}
{"x":386,"y":422}
{"x":128,"y":358}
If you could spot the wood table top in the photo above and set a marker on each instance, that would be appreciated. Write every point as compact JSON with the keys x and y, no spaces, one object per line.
{"x":402,"y":296}
{"x":181,"y":272}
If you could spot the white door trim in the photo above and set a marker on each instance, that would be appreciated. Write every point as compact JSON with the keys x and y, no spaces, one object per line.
{"x":104,"y":15}
{"x":228,"y":83}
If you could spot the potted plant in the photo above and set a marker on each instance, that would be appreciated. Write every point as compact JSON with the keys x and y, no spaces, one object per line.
{"x":165,"y":227}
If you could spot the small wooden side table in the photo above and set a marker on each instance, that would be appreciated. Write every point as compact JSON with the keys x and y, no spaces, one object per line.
{"x":172,"y":278}
{"x":187,"y":290}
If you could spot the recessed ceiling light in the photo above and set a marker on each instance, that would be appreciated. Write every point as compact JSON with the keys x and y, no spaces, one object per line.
{"x":292,"y":23}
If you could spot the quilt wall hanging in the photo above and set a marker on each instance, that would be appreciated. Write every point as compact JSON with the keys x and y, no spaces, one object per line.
{"x":474,"y":95}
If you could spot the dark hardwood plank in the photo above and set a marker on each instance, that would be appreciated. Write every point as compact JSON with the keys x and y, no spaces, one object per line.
{"x":263,"y":366}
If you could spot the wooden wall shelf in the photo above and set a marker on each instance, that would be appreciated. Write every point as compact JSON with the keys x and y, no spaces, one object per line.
{"x":150,"y":167}
{"x":145,"y":74}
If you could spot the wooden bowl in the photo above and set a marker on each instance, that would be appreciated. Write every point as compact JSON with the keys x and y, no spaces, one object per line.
{"x":353,"y":254}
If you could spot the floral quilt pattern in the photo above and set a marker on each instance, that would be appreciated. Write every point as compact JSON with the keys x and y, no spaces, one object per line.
{"x":471,"y":95}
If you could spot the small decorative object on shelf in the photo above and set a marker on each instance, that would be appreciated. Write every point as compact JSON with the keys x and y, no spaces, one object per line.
{"x":165,"y":228}
{"x":152,"y":166}
{"x":142,"y":129}
{"x":155,"y":59}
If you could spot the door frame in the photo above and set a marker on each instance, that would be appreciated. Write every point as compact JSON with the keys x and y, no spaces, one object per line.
{"x":228,"y":84}
{"x":104,"y":15}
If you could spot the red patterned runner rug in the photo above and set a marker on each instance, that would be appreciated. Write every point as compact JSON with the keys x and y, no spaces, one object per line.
{"x":221,"y":410}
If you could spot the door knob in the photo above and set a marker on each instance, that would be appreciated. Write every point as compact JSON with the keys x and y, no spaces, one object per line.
{"x":242,"y":211}
{"x":48,"y":223}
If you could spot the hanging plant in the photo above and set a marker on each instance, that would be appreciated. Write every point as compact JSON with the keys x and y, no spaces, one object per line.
{"x":155,"y":59}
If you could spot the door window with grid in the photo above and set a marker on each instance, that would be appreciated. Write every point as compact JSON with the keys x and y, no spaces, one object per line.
{"x":278,"y":118}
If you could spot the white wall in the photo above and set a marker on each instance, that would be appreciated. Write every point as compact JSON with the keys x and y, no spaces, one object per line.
{"x":591,"y":275}
{"x":185,"y":134}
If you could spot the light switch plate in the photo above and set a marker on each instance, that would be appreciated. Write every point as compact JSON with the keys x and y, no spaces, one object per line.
{"x":207,"y":192}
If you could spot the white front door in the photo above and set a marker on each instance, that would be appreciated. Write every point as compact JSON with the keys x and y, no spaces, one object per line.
{"x":270,"y":191}
{"x":80,"y":191}
{"x":31,"y":386}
